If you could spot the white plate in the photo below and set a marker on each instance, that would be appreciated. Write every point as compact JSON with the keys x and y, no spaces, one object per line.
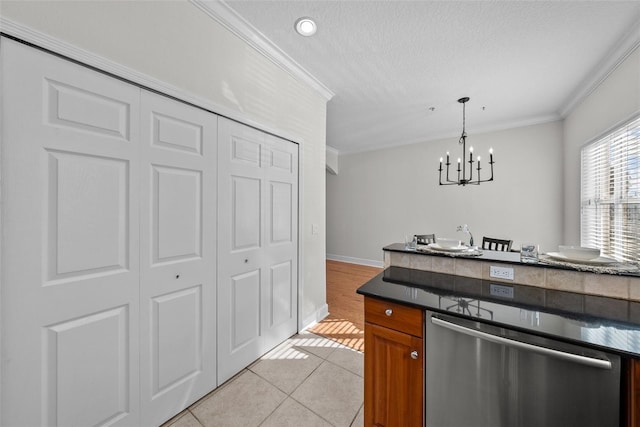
{"x":602,"y":260}
{"x":437,"y":247}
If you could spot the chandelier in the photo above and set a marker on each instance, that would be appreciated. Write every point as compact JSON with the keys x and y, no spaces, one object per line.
{"x":466,"y":177}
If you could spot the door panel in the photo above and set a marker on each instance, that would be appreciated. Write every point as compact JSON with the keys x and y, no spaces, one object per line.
{"x":81,"y":109}
{"x":178,"y":256}
{"x":246,"y":213}
{"x":87,"y":210}
{"x":176,"y":134}
{"x":245,"y":149}
{"x":281,"y":307}
{"x":281,"y":212}
{"x":72,"y":375}
{"x":70,"y":243}
{"x":177,"y":219}
{"x":176,"y":315}
{"x":245,"y":309}
{"x":258,"y":251}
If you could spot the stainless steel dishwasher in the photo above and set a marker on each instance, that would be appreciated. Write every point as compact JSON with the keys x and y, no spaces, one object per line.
{"x":481,"y":375}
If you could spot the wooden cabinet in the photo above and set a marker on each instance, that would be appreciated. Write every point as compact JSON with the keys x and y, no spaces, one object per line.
{"x":393,"y":364}
{"x":394,"y":368}
{"x":632,"y":385}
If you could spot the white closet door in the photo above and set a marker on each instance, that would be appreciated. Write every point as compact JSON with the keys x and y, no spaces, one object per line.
{"x":257,"y":244}
{"x":70,"y":244}
{"x":177,"y":253}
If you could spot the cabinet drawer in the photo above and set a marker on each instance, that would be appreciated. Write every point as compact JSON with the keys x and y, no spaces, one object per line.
{"x":394,"y":316}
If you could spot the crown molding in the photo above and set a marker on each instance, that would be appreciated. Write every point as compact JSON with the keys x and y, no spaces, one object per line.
{"x":625,"y":47}
{"x":232,"y":21}
{"x":514,"y":124}
{"x":69,"y":51}
{"x":332,"y":150}
{"x":332,"y":164}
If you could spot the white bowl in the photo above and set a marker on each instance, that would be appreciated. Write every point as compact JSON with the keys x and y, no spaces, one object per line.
{"x":579,"y":252}
{"x":447,"y":243}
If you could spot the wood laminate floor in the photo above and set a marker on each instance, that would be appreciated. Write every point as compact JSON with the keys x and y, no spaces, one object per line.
{"x":345,"y":323}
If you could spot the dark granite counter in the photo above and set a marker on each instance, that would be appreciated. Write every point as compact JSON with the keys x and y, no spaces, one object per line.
{"x":596,"y":321}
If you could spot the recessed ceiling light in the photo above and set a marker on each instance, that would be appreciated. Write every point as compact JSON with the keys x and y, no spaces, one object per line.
{"x":306,"y":27}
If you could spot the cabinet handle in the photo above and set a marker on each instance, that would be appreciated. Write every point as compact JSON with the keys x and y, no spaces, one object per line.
{"x":388,"y":312}
{"x":414,"y":354}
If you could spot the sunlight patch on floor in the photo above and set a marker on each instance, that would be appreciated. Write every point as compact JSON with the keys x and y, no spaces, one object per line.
{"x":342,"y":331}
{"x":287,"y":353}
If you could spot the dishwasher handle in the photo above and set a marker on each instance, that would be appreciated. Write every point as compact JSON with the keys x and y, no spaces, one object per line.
{"x":585,"y":360}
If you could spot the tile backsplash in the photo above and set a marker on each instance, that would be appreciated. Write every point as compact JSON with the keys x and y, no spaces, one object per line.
{"x":609,"y":285}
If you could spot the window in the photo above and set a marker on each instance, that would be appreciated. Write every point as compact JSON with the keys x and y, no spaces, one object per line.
{"x":610,"y":194}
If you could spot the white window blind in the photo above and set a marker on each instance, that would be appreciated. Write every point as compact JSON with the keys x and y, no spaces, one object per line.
{"x":610,"y":194}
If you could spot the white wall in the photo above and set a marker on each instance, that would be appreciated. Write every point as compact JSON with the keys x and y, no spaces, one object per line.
{"x":614,"y":102}
{"x":379,"y":196}
{"x":176,"y":43}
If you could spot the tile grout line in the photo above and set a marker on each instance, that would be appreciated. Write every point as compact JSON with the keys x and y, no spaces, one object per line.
{"x":290,"y":395}
{"x":355,"y":417}
{"x":311,"y":410}
{"x":195,"y":417}
{"x":323,"y":360}
{"x":274,"y":409}
{"x":248,"y":369}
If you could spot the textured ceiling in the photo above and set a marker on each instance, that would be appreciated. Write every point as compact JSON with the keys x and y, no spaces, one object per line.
{"x":388,"y":62}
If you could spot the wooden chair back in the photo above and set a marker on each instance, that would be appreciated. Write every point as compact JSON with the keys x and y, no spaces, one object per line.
{"x":425,"y":239}
{"x":496,"y":244}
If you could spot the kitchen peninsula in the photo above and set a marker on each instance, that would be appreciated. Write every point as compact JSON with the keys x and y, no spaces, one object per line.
{"x":619,"y":282}
{"x":593,"y":315}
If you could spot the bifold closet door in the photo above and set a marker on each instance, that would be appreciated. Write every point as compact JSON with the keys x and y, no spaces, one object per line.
{"x":109,"y":253}
{"x":257,"y":244}
{"x":177,"y":256}
{"x":70,"y":293}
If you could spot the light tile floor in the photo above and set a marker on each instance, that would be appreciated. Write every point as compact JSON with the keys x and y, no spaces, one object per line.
{"x":307,"y":381}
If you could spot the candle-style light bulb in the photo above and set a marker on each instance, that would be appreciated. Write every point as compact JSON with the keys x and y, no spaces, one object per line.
{"x":471,"y":149}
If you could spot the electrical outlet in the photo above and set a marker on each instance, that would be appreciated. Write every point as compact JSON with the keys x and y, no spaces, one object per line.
{"x":501,"y":272}
{"x":501,"y":291}
{"x":314,"y":229}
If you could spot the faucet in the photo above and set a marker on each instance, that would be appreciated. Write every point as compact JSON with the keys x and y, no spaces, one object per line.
{"x":465,"y":228}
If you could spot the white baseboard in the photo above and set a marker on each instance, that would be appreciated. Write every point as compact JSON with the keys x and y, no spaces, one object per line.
{"x":315,"y":317}
{"x":352,"y":260}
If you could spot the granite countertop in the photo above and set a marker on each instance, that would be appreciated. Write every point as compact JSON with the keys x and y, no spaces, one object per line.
{"x":599,"y":322}
{"x":621,"y":269}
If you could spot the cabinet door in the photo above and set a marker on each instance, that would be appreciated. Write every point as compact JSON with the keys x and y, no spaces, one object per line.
{"x":393,"y":379}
